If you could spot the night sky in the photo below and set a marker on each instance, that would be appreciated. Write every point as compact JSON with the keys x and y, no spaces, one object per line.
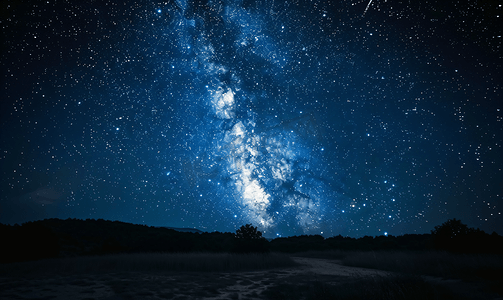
{"x":299,"y":117}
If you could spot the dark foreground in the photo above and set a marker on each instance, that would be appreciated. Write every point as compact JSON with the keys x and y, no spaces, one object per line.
{"x":299,"y":278}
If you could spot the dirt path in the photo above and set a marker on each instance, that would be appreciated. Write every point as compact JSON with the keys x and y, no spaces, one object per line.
{"x":334,"y":267}
{"x":332,"y":270}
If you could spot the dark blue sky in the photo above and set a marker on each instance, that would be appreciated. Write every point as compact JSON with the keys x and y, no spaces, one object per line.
{"x":300,"y":117}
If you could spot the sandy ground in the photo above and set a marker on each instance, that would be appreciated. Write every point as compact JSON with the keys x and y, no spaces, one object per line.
{"x":136,"y":285}
{"x":245,"y":285}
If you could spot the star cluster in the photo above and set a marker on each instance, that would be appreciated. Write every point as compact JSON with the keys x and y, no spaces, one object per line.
{"x":300,"y":117}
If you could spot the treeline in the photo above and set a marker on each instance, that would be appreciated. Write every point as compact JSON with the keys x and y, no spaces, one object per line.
{"x":73,"y":237}
{"x":452,"y":236}
{"x":52,"y":238}
{"x":366,"y":243}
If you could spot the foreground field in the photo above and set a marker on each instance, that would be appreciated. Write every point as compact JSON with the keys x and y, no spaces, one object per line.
{"x":219,"y":276}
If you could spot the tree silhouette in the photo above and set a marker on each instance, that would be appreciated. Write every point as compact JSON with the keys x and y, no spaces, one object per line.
{"x":455,"y":236}
{"x":248,"y":231}
{"x":249,"y":239}
{"x":451,"y":229}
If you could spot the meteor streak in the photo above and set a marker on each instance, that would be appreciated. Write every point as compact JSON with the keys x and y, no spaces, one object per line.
{"x":367,"y":8}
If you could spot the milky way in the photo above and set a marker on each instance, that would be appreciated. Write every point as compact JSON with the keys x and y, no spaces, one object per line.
{"x":250,"y":148}
{"x":299,"y":117}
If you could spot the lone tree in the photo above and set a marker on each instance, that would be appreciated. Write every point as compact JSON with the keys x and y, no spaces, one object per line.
{"x":249,"y":239}
{"x":455,"y":236}
{"x":451,"y":229}
{"x":248,"y":232}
